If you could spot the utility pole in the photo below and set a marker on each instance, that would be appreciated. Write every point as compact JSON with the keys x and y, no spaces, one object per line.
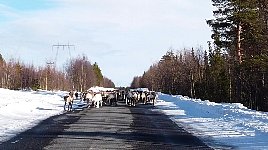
{"x":63,"y":46}
{"x":53,"y":61}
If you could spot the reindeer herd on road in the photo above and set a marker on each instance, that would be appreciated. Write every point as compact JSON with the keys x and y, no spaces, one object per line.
{"x":110,"y":97}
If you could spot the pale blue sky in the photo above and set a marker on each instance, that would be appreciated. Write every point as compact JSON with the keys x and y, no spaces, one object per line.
{"x":124,"y":37}
{"x":27,"y":5}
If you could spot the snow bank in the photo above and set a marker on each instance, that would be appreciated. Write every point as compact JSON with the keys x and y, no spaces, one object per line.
{"x":222,"y":126}
{"x":21,"y":110}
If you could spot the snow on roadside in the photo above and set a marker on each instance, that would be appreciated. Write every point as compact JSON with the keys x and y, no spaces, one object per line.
{"x":221,"y":126}
{"x":21,"y":110}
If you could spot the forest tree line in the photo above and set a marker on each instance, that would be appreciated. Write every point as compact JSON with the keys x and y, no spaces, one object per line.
{"x":233,"y":69}
{"x":79,"y":74}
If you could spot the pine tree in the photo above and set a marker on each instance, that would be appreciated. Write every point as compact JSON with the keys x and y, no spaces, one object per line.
{"x":98,"y":74}
{"x":1,"y":59}
{"x":222,"y":24}
{"x":240,"y":29}
{"x":2,"y":71}
{"x":167,"y":66}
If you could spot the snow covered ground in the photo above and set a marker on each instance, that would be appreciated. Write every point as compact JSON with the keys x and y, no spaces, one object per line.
{"x":21,"y":110}
{"x":221,"y":126}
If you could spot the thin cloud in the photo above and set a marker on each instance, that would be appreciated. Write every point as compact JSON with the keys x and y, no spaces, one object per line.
{"x":126,"y":30}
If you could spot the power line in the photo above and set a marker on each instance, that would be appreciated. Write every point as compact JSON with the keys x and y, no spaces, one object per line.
{"x":63,"y":46}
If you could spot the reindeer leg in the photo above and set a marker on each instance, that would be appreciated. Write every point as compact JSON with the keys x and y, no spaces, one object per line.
{"x":64,"y":107}
{"x":98,"y":104}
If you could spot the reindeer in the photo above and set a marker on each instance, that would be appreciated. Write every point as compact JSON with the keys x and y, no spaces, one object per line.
{"x":88,"y":96}
{"x":132,"y":98}
{"x":143,"y":97}
{"x":69,"y":101}
{"x":97,"y":100}
{"x":112,"y":99}
{"x":151,"y":97}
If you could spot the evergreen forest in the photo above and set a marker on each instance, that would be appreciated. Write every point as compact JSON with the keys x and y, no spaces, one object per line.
{"x":233,"y":69}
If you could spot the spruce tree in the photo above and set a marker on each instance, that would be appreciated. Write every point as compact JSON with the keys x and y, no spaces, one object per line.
{"x":240,"y":29}
{"x":1,"y":59}
{"x":99,"y":76}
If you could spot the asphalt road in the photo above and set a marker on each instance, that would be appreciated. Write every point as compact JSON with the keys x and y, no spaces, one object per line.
{"x":120,"y":127}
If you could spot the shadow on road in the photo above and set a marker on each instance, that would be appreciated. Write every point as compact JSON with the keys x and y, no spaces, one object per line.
{"x":119,"y":127}
{"x":156,"y":131}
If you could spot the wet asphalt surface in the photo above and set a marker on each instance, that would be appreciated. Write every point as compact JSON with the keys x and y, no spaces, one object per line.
{"x":119,"y":127}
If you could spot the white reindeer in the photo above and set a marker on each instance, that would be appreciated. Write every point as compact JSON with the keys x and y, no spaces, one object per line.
{"x":97,"y":100}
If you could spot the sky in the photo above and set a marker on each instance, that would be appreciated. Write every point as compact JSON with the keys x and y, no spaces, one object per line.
{"x":124,"y":37}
